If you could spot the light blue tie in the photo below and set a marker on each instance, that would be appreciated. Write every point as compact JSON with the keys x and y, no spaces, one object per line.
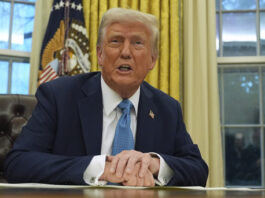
{"x":123,"y":139}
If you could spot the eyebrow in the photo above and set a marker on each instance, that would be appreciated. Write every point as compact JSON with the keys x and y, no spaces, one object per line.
{"x":116,"y":33}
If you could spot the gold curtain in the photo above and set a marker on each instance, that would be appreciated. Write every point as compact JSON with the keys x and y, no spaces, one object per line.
{"x":166,"y":74}
{"x":201,"y":105}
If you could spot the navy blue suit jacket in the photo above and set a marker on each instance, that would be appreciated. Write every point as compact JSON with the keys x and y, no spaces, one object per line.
{"x":65,"y":130}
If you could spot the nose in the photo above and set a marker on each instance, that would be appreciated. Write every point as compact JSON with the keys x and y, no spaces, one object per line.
{"x":125,"y":50}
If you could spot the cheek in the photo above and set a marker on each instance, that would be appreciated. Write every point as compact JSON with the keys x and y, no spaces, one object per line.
{"x":110,"y":56}
{"x":144,"y":62}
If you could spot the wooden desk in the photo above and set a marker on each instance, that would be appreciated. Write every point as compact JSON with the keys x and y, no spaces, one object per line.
{"x":125,"y":193}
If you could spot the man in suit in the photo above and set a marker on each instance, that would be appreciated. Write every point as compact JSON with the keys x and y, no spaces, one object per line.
{"x":72,"y":136}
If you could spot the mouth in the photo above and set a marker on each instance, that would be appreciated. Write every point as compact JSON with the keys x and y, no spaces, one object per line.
{"x":124,"y":68}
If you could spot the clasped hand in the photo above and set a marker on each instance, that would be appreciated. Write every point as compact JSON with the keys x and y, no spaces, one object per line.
{"x":131,"y":168}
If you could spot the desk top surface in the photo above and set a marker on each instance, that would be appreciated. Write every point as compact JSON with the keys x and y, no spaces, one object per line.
{"x":123,"y":193}
{"x":109,"y":192}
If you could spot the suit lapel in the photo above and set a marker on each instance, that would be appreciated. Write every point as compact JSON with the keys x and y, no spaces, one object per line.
{"x":91,"y":115}
{"x":146,"y":122}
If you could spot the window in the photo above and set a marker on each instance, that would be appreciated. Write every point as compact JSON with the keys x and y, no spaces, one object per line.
{"x":240,"y":46}
{"x":16,"y":26}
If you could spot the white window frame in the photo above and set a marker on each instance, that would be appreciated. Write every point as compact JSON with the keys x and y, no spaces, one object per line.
{"x":9,"y":54}
{"x":244,"y":61}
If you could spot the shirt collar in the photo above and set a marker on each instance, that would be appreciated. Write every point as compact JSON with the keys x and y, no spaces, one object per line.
{"x":111,"y":99}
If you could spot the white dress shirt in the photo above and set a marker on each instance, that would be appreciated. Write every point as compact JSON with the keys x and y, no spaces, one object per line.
{"x":111,"y":115}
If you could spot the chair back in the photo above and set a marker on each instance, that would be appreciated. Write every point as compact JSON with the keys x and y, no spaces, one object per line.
{"x":15,"y":111}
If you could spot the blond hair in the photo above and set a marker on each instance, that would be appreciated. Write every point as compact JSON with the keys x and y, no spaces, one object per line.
{"x":114,"y":15}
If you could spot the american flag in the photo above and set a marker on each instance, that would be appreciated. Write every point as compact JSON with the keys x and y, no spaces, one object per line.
{"x":48,"y":74}
{"x":65,"y":48}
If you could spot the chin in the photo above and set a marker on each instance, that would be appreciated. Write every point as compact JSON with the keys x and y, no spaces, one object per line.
{"x":127,"y":83}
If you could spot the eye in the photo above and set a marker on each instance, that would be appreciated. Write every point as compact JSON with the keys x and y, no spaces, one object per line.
{"x":138,"y":42}
{"x":114,"y":40}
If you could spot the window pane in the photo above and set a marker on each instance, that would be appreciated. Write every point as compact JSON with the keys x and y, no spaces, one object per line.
{"x":217,"y":4}
{"x":29,"y":0}
{"x":239,"y":34}
{"x":22,"y":27}
{"x":20,"y":78}
{"x":262,"y":4}
{"x":4,"y":24}
{"x":263,"y":91}
{"x":239,"y":4}
{"x":3,"y":77}
{"x":262,"y":33}
{"x":217,"y":35}
{"x":241,"y":96}
{"x":243,"y":156}
{"x":220,"y":80}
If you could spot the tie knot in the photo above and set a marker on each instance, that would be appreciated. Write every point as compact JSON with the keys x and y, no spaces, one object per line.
{"x":125,"y":105}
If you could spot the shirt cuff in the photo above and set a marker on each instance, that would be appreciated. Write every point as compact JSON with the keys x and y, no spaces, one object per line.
{"x":165,"y":172}
{"x":94,"y":170}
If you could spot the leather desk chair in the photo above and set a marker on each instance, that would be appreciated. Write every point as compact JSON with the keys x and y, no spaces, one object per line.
{"x":15,"y":111}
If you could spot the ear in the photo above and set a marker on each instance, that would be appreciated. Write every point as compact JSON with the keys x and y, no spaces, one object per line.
{"x":153,"y":62}
{"x":99,"y":55}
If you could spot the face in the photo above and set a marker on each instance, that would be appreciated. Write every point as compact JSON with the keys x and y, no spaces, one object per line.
{"x":125,"y":56}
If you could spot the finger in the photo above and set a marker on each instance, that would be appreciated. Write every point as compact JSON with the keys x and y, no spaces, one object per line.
{"x":113,"y":179}
{"x":145,"y":162}
{"x":149,"y":179}
{"x":113,"y":164}
{"x":115,"y":160}
{"x":140,"y":181}
{"x":131,"y":165}
{"x":154,"y":165}
{"x":121,"y":166}
{"x":130,"y":181}
{"x":151,"y":183}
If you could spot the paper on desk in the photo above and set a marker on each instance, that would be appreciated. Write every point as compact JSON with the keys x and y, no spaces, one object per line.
{"x":52,"y":186}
